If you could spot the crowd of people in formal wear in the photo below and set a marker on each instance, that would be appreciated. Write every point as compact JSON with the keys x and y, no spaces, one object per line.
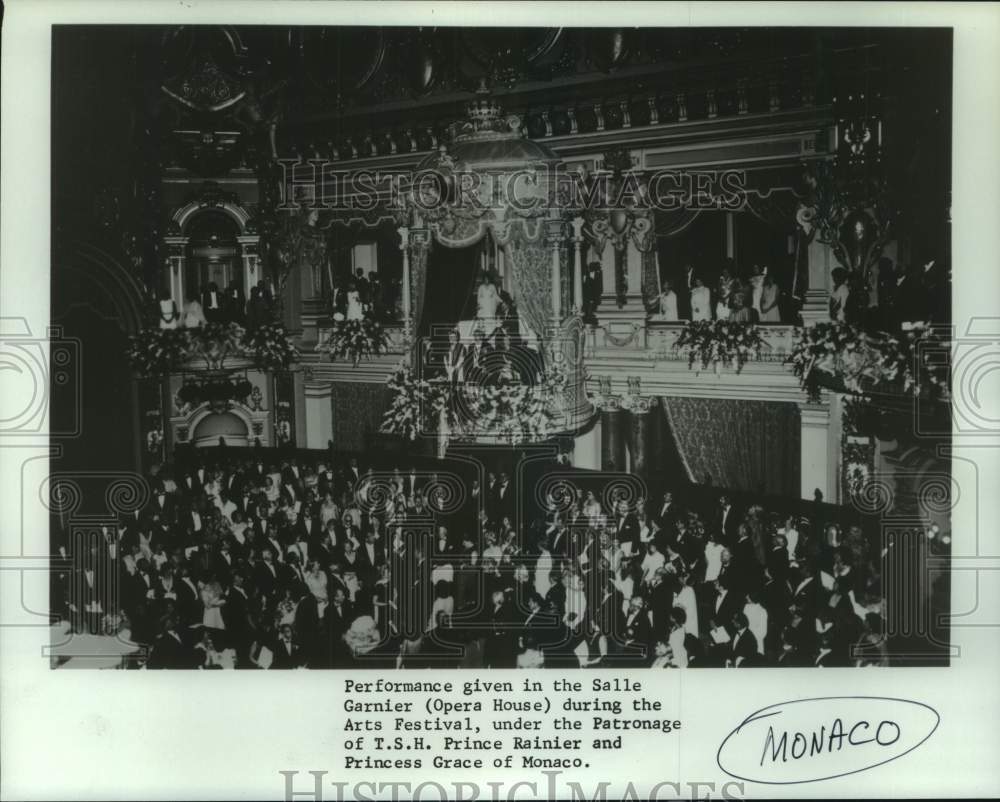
{"x":886,"y":296}
{"x":755,"y":298}
{"x":358,"y":290}
{"x":212,"y":305}
{"x":249,"y":563}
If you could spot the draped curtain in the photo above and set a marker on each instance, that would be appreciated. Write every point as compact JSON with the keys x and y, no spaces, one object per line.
{"x":650,"y":271}
{"x":418,"y":281}
{"x":532,"y":263}
{"x":449,"y":292}
{"x":736,"y":444}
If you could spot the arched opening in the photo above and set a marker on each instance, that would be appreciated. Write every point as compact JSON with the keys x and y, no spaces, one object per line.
{"x":213,"y":256}
{"x":217,"y":428}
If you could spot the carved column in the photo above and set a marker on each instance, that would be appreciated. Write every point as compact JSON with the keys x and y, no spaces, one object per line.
{"x":404,"y":246}
{"x":817,"y":454}
{"x":319,"y":413}
{"x":577,"y":263}
{"x":251,"y":261}
{"x":640,"y":431}
{"x":176,"y":253}
{"x":816,"y":303}
{"x":613,"y":423}
{"x":554,"y":236}
{"x":587,"y":448}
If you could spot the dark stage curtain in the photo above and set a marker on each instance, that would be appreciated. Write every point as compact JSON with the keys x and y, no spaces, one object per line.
{"x":449,"y":287}
{"x":741,"y":445}
{"x":358,"y":408}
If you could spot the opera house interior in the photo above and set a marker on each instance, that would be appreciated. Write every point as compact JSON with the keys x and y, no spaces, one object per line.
{"x":470,"y":347}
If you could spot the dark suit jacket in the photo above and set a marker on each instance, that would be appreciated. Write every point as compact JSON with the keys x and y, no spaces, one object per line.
{"x":733,"y":603}
{"x":627,"y":530}
{"x":167,"y":652}
{"x":284,"y":659}
{"x":371,"y":563}
{"x":728,"y":531}
{"x":638,"y":631}
{"x":743,"y":645}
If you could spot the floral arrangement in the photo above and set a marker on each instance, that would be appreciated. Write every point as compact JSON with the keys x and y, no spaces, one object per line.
{"x":509,"y":410}
{"x":407,"y":412}
{"x":863,"y":361}
{"x":270,"y":347}
{"x":354,"y":339}
{"x":155,"y":352}
{"x":858,"y":461}
{"x":213,"y":342}
{"x":719,"y":342}
{"x":362,"y":636}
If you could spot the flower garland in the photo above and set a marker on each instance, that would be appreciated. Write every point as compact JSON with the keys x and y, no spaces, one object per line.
{"x":863,"y":361}
{"x":157,"y":352}
{"x":509,"y":410}
{"x":355,"y":339}
{"x":407,"y":414}
{"x":270,"y":347}
{"x":719,"y":342}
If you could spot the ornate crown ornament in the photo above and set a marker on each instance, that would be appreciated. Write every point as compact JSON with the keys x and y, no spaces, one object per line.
{"x":485,"y":119}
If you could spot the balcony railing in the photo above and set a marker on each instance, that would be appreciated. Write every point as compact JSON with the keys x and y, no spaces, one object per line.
{"x":657,"y":341}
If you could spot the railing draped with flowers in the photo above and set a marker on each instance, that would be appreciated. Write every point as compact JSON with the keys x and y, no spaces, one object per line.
{"x":157,"y":352}
{"x":864,"y":362}
{"x":719,"y":342}
{"x":355,"y":339}
{"x":508,"y":411}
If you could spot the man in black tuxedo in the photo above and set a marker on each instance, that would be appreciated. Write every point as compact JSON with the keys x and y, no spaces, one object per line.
{"x":504,"y":499}
{"x":371,"y":557}
{"x":363,"y":287}
{"x":666,"y":514}
{"x":443,"y":546}
{"x":291,"y":474}
{"x":287,"y":653}
{"x":291,"y":576}
{"x":340,"y":612}
{"x":307,"y":527}
{"x":498,"y":648}
{"x":235,"y":303}
{"x":638,"y":632}
{"x":453,"y":360}
{"x":593,"y":287}
{"x":169,"y":650}
{"x":266,"y":575}
{"x":728,"y":602}
{"x":743,"y":646}
{"x":539,"y":627}
{"x":727,"y":520}
{"x":161,"y":507}
{"x":608,"y":615}
{"x":747,"y":570}
{"x":558,"y":539}
{"x":683,"y":285}
{"x":626,"y":526}
{"x":213,"y":304}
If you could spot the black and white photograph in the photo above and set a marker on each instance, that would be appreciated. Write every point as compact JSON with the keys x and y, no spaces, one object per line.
{"x":487,"y":348}
{"x":386,"y":343}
